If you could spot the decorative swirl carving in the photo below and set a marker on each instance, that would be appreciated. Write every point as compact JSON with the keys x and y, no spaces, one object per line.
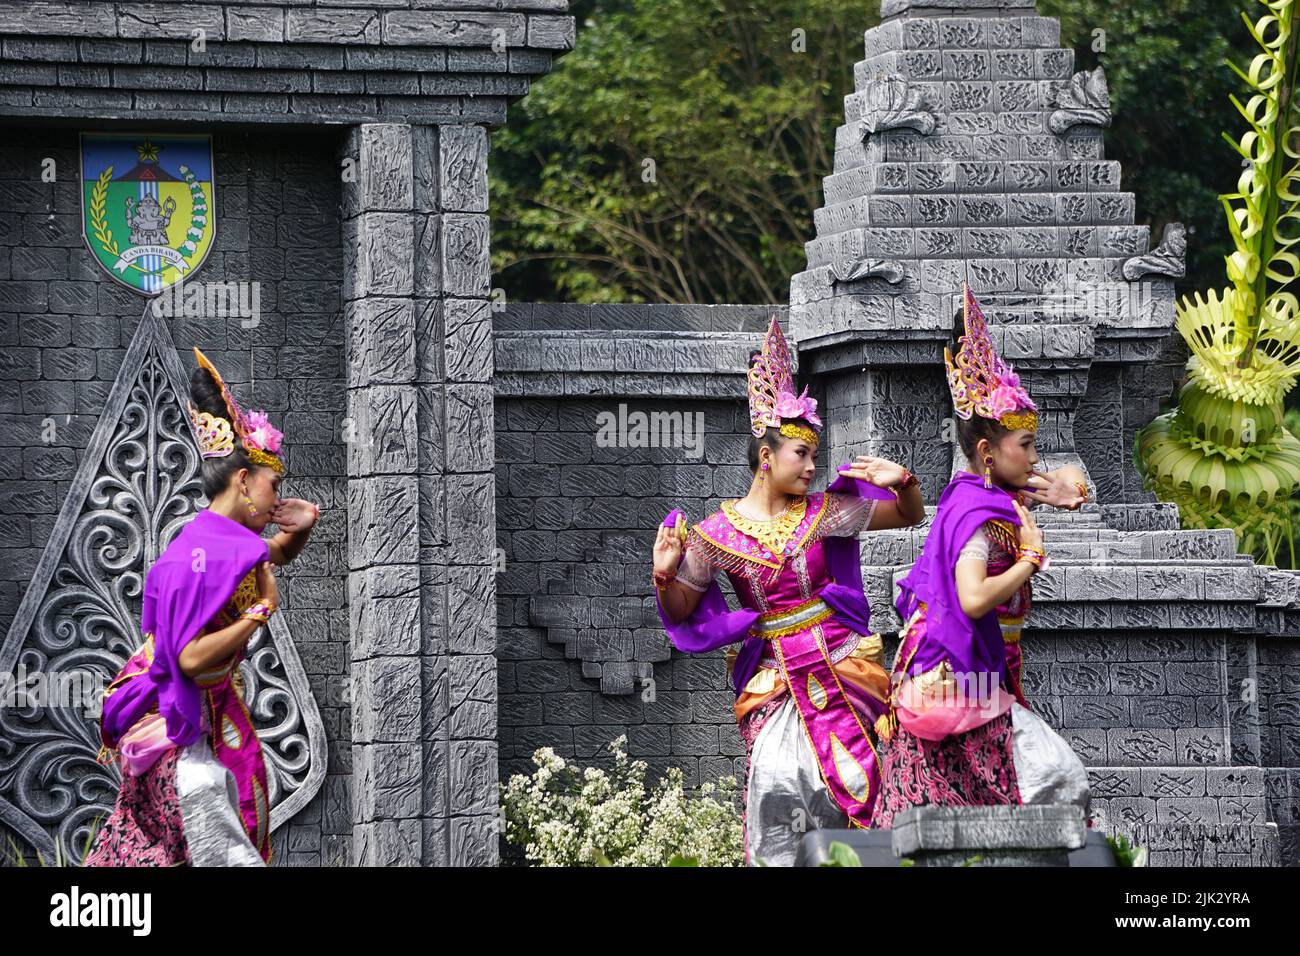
{"x":891,"y":270}
{"x":894,"y":103}
{"x":1167,"y":259}
{"x":1084,"y":101}
{"x":138,"y":485}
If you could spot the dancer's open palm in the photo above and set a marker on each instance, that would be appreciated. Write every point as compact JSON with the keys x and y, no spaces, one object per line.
{"x":878,"y":471}
{"x":1053,"y":489}
{"x":267,"y":589}
{"x":668,"y":546}
{"x":294,"y":514}
{"x":1031,"y":536}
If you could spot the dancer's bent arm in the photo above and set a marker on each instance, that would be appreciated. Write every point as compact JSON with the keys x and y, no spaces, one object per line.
{"x":978,"y":592}
{"x":205,"y":651}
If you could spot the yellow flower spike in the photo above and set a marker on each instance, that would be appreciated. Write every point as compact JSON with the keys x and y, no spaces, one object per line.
{"x":1223,"y":456}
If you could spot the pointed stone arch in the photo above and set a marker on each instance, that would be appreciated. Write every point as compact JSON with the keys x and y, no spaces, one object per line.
{"x":137,"y":486}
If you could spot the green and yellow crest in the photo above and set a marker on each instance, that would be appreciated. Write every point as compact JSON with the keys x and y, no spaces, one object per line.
{"x":147,"y":206}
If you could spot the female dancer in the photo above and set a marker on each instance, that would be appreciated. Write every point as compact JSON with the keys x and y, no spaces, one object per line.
{"x":809,"y":676}
{"x":194,"y":787}
{"x":960,"y":732}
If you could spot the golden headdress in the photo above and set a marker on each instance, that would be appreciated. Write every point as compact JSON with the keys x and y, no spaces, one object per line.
{"x":771,"y":391}
{"x":981,"y":383}
{"x":216,"y":435}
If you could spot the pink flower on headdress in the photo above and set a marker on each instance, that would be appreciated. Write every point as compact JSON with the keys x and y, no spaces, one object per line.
{"x":1002,"y":400}
{"x":261,"y":432}
{"x":789,"y":405}
{"x":1008,"y":398}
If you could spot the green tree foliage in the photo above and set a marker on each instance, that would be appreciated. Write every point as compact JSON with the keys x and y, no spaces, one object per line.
{"x":677,"y":153}
{"x":1169,"y":88}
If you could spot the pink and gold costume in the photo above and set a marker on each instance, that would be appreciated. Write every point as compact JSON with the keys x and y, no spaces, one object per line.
{"x":961,"y":732}
{"x":808,"y":673}
{"x":809,"y":711}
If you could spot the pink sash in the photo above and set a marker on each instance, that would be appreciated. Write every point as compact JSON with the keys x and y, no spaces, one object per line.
{"x":935,"y":714}
{"x":144,"y":743}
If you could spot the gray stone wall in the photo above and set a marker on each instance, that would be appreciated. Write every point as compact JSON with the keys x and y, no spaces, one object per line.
{"x":65,"y":326}
{"x":420,"y":490}
{"x":582,"y":656}
{"x":286,"y":62}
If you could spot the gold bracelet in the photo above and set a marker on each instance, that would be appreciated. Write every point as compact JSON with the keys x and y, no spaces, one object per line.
{"x":261,"y":611}
{"x":1032,"y":555}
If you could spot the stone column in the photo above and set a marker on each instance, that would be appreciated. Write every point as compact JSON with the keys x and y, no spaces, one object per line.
{"x":420,"y":496}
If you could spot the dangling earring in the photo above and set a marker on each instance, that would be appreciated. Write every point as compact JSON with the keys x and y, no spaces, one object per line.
{"x":765,"y":466}
{"x":252,"y":509}
{"x":988,"y":475}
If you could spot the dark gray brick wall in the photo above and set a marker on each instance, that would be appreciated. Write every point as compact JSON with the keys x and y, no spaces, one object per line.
{"x":277,"y":62}
{"x":65,"y":325}
{"x":575,"y":525}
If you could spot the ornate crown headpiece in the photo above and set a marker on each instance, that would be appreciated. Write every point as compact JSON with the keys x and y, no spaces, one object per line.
{"x":217,"y":435}
{"x":771,"y":391}
{"x":980,"y":382}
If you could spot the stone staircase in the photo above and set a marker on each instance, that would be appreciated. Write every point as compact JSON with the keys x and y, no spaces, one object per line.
{"x":1140,"y":650}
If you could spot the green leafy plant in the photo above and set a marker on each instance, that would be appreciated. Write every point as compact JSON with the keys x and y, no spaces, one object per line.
{"x":1126,"y":853}
{"x":563,"y":815}
{"x":17,"y":858}
{"x":1223,"y":455}
{"x":841,"y":854}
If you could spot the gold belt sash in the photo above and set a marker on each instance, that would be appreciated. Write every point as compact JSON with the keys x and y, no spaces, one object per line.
{"x":776,"y":624}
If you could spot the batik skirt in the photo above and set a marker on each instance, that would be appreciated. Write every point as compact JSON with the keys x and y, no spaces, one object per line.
{"x":183,"y":810}
{"x":973,"y":769}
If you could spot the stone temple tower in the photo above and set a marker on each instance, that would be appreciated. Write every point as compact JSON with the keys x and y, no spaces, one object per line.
{"x":972,"y":151}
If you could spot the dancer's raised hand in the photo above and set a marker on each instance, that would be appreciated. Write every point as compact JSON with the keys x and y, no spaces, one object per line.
{"x":1031,"y":536}
{"x":1054,"y":488}
{"x":295,"y":514}
{"x":669,"y":545}
{"x":267,"y":589}
{"x":878,"y":471}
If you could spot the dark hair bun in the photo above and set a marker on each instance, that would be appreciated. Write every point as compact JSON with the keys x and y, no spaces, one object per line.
{"x":205,"y":394}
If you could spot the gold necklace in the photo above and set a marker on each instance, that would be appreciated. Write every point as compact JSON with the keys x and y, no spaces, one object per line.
{"x":772,"y":532}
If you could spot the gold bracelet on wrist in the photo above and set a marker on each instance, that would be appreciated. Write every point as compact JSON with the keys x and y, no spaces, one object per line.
{"x":261,"y":611}
{"x":908,"y":481}
{"x":1033,"y":555}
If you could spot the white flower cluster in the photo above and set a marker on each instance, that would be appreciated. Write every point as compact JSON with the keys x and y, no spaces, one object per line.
{"x":563,"y":815}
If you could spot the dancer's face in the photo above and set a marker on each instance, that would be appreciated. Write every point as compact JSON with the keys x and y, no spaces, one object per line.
{"x":263,"y":486}
{"x":1014,"y":458}
{"x":792,"y":467}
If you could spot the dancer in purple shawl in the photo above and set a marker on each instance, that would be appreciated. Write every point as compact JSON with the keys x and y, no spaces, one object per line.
{"x":960,"y":731}
{"x":809,"y":673}
{"x":194,"y":786}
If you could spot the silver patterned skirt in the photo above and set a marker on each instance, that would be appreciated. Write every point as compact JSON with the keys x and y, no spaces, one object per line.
{"x":786,"y":794}
{"x":209,"y":799}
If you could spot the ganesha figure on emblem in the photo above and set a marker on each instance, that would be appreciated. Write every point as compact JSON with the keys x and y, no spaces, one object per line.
{"x":148,"y":220}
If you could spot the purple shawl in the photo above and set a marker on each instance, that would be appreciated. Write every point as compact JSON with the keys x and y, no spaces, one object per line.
{"x":712,"y":625}
{"x":188,"y":584}
{"x":970,"y":645}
